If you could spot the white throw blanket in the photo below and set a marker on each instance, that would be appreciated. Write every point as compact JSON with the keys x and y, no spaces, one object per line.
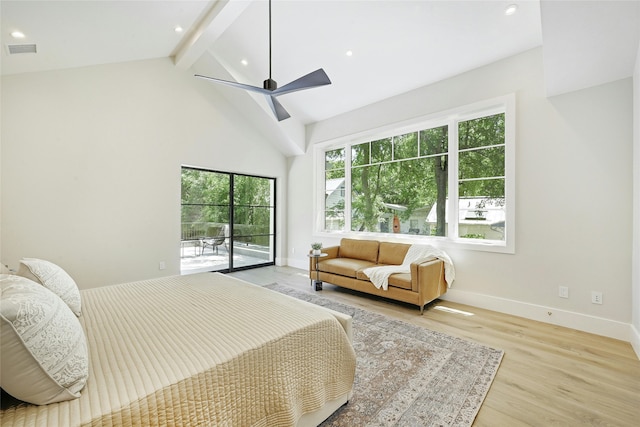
{"x":380,"y":275}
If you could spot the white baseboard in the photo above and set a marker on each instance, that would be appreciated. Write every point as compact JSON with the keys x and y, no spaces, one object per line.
{"x":635,"y":340}
{"x":568,"y":319}
{"x":582,"y":322}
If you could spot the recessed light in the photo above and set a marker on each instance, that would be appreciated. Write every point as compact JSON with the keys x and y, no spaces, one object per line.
{"x":178,"y":29}
{"x":17,"y":35}
{"x":511,"y":9}
{"x":349,"y":53}
{"x":244,"y":62}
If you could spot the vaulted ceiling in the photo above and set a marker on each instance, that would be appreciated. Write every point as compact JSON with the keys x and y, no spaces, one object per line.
{"x":395,"y":46}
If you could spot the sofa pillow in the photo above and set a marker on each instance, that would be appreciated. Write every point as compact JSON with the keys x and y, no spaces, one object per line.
{"x":392,"y":253}
{"x":43,"y":350}
{"x":366,"y":250}
{"x":53,"y":278}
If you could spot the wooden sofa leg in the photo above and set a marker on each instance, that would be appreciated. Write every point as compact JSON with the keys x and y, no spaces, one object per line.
{"x":421,"y":310}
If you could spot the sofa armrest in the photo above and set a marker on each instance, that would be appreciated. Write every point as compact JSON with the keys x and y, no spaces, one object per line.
{"x":428,"y":277}
{"x":331,"y":251}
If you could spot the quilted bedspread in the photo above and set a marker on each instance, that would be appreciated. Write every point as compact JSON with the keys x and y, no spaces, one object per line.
{"x":205,"y":349}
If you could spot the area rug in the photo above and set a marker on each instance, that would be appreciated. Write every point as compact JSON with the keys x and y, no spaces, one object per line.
{"x":408,"y":376}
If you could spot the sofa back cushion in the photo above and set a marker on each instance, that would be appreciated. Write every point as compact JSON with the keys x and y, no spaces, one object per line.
{"x":392,"y":253}
{"x":366,"y":250}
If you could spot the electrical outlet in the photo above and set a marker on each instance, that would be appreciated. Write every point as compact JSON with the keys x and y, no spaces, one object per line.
{"x":596,"y":297}
{"x":563,"y":292}
{"x":162,"y":265}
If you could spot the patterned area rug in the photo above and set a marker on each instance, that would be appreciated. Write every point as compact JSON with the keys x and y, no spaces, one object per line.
{"x":407,"y":375}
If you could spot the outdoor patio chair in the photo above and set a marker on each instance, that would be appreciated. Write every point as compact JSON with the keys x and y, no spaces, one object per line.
{"x":214,"y":242}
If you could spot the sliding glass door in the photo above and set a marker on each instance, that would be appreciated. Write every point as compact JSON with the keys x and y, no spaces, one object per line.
{"x":253,"y":220}
{"x":228,"y":221}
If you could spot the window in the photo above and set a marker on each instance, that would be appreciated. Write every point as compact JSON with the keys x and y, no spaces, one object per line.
{"x":334,"y":189}
{"x":448,"y":178}
{"x":211,"y":240}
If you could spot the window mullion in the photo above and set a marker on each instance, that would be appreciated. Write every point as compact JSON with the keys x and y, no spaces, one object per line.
{"x":474,"y":178}
{"x":347,"y":187}
{"x":320,"y":199}
{"x":452,"y":209}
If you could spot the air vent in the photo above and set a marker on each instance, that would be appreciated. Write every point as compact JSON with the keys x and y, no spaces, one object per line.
{"x":21,"y":48}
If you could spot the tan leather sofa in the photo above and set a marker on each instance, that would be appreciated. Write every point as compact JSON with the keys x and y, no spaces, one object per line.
{"x":343,"y":266}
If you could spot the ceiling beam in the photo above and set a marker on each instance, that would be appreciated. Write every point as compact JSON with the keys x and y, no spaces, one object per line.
{"x":220,"y":15}
{"x":289,"y":135}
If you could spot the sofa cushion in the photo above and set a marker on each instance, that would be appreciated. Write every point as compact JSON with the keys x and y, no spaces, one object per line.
{"x":366,"y":250}
{"x":400,"y":280}
{"x":344,"y":266}
{"x":392,"y":253}
{"x":360,"y":274}
{"x":397,"y":280}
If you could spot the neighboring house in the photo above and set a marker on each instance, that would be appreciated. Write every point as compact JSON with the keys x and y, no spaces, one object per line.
{"x":334,"y":194}
{"x":479,"y":217}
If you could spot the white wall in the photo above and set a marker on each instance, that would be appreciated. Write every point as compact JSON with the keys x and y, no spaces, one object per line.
{"x":573,"y":191}
{"x":91,"y":163}
{"x":635,"y":300}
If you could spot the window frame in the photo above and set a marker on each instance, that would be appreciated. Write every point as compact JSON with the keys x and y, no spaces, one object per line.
{"x":231,"y":224}
{"x":503,"y":104}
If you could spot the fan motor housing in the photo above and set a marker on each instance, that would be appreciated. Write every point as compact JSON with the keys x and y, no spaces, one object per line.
{"x":270,"y":84}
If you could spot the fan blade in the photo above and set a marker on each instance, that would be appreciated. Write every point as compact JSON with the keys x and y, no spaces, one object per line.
{"x":314,"y":79}
{"x":277,"y":108}
{"x":236,"y":84}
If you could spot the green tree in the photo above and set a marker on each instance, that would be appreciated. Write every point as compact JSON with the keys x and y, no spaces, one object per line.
{"x":408,"y":170}
{"x":205,"y":195}
{"x":411,"y":170}
{"x":252,"y":205}
{"x":481,"y":158}
{"x":436,"y":143}
{"x":206,"y":203}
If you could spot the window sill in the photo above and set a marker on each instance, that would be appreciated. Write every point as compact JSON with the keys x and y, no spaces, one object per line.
{"x":439,"y":242}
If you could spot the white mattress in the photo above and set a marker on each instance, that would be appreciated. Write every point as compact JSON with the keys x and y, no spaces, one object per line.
{"x":204,"y":349}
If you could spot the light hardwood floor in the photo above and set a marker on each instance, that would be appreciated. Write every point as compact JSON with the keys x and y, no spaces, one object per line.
{"x":549,"y":376}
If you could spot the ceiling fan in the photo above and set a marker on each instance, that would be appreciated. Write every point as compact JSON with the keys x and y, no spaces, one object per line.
{"x":270,"y":88}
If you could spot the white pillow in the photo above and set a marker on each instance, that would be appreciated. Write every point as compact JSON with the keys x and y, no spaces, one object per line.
{"x":53,"y":278}
{"x":43,"y":350}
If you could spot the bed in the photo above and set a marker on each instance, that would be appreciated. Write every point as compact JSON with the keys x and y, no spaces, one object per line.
{"x":204,"y":349}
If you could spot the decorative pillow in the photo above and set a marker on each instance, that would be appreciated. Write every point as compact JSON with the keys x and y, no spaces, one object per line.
{"x":53,"y":278}
{"x":43,"y":350}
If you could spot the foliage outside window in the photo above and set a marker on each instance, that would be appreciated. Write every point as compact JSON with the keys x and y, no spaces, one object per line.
{"x":443,"y":179}
{"x":206,"y":204}
{"x":238,"y":208}
{"x":334,"y":189}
